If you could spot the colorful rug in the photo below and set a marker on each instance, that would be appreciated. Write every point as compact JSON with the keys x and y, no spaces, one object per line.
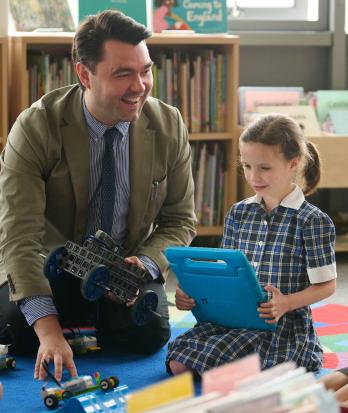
{"x":330,"y":321}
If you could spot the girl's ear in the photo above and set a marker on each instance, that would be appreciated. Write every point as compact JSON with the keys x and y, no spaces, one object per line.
{"x":294,"y":162}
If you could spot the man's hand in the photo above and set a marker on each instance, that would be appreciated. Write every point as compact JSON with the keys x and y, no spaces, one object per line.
{"x":131,"y":260}
{"x":183,"y":301}
{"x":53,"y":347}
{"x":276,"y":307}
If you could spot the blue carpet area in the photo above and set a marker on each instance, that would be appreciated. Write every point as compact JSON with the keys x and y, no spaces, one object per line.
{"x":22,"y":394}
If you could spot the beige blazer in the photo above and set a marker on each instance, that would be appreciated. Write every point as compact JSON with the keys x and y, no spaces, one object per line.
{"x":44,"y":181}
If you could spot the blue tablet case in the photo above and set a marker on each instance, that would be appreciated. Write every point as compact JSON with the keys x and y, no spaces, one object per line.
{"x":223,"y":284}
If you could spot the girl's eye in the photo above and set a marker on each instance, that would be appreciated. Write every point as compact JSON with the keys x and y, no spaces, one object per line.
{"x":265,"y":168}
{"x":246,"y":166}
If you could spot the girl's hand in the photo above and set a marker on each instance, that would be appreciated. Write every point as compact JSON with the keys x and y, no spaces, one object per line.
{"x":276,"y":307}
{"x":183,"y":301}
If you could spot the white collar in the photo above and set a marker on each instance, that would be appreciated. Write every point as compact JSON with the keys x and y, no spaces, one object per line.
{"x":293,"y":200}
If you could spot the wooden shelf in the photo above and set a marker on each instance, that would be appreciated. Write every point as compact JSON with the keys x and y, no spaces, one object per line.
{"x":333,"y":152}
{"x":342,"y":243}
{"x":3,"y":91}
{"x":57,"y":43}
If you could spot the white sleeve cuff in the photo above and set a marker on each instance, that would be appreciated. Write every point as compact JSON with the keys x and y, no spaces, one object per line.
{"x":322,"y":274}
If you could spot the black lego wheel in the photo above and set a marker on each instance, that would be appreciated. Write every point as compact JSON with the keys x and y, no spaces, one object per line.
{"x":114,"y":381}
{"x":142,"y":310}
{"x":53,"y":262}
{"x":51,"y":401}
{"x":92,"y":286}
{"x":67,"y":395}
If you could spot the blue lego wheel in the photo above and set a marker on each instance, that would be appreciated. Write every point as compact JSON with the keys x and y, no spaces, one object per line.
{"x":94,"y":284}
{"x":53,"y":267}
{"x":144,"y":308}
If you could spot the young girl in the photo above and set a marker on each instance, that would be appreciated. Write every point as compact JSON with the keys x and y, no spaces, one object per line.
{"x":289,"y":242}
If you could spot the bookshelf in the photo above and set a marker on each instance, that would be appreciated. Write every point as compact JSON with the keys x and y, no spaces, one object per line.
{"x":333,"y":150}
{"x":3,"y":91}
{"x":59,"y":43}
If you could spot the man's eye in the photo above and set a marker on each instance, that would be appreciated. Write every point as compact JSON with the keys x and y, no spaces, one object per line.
{"x":122,"y":74}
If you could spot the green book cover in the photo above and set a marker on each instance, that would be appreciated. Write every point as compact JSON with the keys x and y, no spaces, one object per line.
{"x":330,"y":100}
{"x":139,"y":10}
{"x":201,"y":16}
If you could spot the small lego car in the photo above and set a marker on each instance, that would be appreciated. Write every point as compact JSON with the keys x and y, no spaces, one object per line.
{"x":5,"y":361}
{"x":81,"y":340}
{"x":101,"y":266}
{"x":74,"y":387}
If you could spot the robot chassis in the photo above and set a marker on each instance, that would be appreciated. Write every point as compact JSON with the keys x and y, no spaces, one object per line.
{"x":100,"y":265}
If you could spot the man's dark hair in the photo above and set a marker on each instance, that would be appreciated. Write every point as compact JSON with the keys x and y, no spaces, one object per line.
{"x":88,"y":45}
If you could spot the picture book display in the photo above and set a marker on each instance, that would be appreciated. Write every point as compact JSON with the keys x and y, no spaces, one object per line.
{"x":330,"y":100}
{"x":251,"y":97}
{"x":241,"y":387}
{"x":304,"y":115}
{"x":223,"y":284}
{"x":139,"y":10}
{"x":339,"y":119}
{"x":208,"y":16}
{"x":41,"y":14}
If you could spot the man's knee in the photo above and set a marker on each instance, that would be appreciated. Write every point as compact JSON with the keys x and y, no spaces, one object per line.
{"x":155,"y":339}
{"x":150,"y":338}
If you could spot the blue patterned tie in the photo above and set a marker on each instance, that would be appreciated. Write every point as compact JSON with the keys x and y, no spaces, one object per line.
{"x":108,"y":181}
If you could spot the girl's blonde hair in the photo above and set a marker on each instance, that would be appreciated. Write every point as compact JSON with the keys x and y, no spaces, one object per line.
{"x":276,"y":129}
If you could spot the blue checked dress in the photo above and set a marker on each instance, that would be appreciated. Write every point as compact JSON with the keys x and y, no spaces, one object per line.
{"x":290,"y":248}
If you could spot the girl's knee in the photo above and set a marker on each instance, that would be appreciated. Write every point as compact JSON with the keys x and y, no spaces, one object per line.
{"x":177,"y":368}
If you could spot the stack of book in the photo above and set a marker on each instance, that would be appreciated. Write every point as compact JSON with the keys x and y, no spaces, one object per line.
{"x":256,"y":101}
{"x":241,"y":387}
{"x":323,"y":112}
{"x":47,"y":73}
{"x":208,"y":167}
{"x":195,"y":83}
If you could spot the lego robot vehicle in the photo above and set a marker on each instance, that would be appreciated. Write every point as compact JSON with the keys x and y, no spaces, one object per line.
{"x":74,"y":387}
{"x":81,"y":340}
{"x":100,"y":265}
{"x":6,"y":362}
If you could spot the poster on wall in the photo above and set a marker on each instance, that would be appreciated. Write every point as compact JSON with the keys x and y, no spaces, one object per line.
{"x":139,"y":10}
{"x":200,"y":16}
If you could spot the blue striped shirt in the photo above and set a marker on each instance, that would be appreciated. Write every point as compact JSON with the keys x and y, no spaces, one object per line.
{"x":36,"y":307}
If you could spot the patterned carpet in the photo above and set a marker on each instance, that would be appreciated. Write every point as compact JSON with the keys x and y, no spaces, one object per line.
{"x":331,"y":323}
{"x":330,"y":320}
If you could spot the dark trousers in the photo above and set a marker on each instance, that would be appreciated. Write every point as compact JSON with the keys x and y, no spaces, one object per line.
{"x":114,"y":324}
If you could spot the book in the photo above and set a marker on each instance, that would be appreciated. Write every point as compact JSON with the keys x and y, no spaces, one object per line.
{"x":305,"y":116}
{"x":250,"y":97}
{"x":139,"y":10}
{"x":45,"y":14}
{"x":339,"y":119}
{"x":174,"y":389}
{"x":208,"y":16}
{"x":330,"y":100}
{"x":223,"y":379}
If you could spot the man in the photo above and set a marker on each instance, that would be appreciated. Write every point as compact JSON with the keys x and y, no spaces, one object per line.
{"x":51,"y":191}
